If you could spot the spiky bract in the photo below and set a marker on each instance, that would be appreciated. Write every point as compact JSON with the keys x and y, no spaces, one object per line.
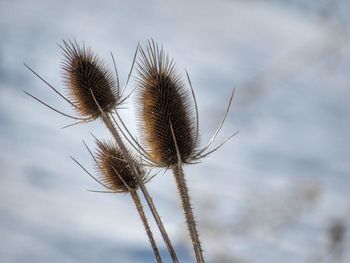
{"x":116,"y":172}
{"x":89,"y":82}
{"x":164,"y":103}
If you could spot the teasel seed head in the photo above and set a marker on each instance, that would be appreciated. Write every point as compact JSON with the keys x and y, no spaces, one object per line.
{"x":164,"y":103}
{"x":90,"y":83}
{"x":115,"y":171}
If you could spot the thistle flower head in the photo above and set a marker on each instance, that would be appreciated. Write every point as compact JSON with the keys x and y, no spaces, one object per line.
{"x":90,"y":84}
{"x":166,"y":112}
{"x":116,"y":172}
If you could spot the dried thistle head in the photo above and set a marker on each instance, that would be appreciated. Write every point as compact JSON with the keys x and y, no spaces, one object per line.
{"x":92,"y":90}
{"x":166,"y":112}
{"x":90,"y":83}
{"x":116,"y":172}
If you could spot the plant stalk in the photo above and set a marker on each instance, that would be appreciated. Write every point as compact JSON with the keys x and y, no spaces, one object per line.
{"x":186,"y":205}
{"x":109,"y":124}
{"x":136,"y":199}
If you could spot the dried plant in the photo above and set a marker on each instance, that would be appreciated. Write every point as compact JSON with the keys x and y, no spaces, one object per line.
{"x":170,"y":124}
{"x":163,"y":102}
{"x":115,"y":170}
{"x":90,"y":86}
{"x":86,"y":76}
{"x":117,"y":177}
{"x":87,"y":79}
{"x":168,"y":115}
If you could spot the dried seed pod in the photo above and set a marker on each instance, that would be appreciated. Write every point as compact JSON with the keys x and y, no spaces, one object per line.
{"x":89,"y":81}
{"x":116,"y":172}
{"x":164,"y":103}
{"x":169,"y":127}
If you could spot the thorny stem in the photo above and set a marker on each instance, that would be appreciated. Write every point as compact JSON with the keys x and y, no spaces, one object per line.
{"x":186,"y":204}
{"x":109,"y":124}
{"x":136,"y":199}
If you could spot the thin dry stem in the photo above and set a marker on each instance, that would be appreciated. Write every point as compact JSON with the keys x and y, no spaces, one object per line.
{"x":109,"y":124}
{"x":136,"y":199}
{"x":186,"y":204}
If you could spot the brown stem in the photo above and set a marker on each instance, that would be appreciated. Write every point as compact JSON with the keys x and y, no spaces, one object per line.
{"x":136,"y":199}
{"x":186,"y":204}
{"x":109,"y":124}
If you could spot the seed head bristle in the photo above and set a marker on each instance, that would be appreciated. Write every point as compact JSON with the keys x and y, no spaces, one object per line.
{"x":163,"y":102}
{"x":87,"y":77}
{"x":116,"y":173}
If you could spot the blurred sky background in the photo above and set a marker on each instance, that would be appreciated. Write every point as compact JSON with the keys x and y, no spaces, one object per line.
{"x":278,"y":192}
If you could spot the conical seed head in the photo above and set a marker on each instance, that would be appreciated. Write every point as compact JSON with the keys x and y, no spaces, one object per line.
{"x":164,"y":103}
{"x":116,"y":172}
{"x":89,"y":81}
